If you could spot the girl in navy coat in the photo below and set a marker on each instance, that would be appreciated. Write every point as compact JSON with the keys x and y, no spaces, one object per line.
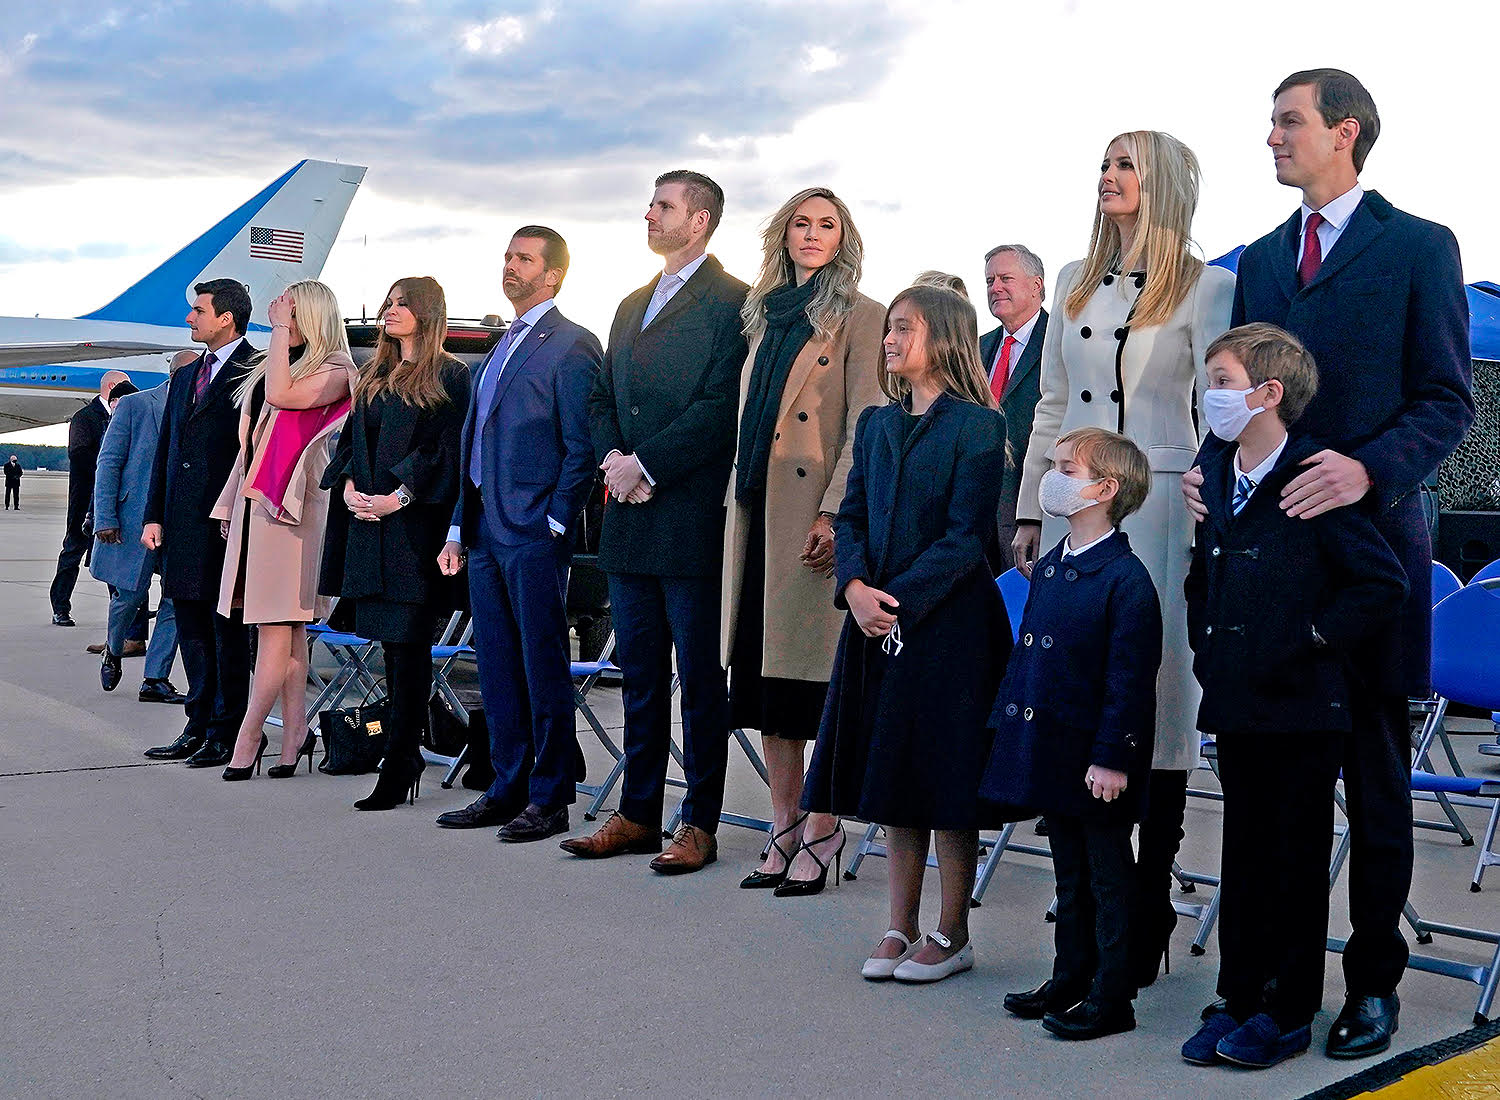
{"x":1073,"y":726}
{"x":903,"y":734}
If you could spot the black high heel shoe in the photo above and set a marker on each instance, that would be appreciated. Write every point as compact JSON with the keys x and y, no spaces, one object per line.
{"x":286,"y":771}
{"x":1151,"y":950}
{"x":766,"y":880}
{"x":234,"y":775}
{"x":803,"y":888}
{"x":395,"y":785}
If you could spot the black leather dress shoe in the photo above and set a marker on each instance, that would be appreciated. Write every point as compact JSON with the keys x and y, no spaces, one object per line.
{"x":1036,"y":1003}
{"x":160,"y":691}
{"x":60,"y":619}
{"x":535,"y":823}
{"x":180,"y":749}
{"x":478,"y":814}
{"x":109,"y":672}
{"x":1090,"y":1020}
{"x":1364,"y":1026}
{"x":211,"y":756}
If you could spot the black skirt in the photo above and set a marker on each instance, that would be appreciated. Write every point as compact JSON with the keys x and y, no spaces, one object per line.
{"x":774,"y":706}
{"x":394,"y":621}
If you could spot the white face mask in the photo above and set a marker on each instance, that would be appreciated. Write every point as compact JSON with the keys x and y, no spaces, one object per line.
{"x":1229,"y":411}
{"x":1062,"y":496}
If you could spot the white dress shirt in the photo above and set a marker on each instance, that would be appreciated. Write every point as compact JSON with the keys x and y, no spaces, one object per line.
{"x":1258,"y":474}
{"x":667,"y":287}
{"x":222,"y":354}
{"x":1069,"y":552}
{"x":1335,"y":216}
{"x":1021,"y":337}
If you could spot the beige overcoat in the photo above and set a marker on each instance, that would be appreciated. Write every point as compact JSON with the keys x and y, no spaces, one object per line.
{"x":830,"y":384}
{"x":286,"y":550}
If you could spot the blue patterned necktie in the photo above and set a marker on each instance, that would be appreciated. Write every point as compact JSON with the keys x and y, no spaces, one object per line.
{"x":486,"y":400}
{"x":660,"y":297}
{"x":1243,"y":487}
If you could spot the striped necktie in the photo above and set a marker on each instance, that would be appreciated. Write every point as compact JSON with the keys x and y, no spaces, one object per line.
{"x":205,"y":376}
{"x":1243,"y":487}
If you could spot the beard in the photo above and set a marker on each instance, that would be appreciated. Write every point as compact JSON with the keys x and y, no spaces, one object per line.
{"x":519,"y":290}
{"x":669,"y":240}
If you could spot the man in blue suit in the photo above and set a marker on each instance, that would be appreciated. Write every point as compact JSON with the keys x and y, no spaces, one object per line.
{"x":1377,"y":296}
{"x":126,"y":460}
{"x":528,"y":464}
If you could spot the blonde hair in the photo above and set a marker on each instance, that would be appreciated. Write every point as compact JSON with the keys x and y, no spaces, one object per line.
{"x":1110,"y":454}
{"x":418,"y":381}
{"x":838,"y":281}
{"x":1169,"y":174}
{"x":942,"y":279}
{"x":322,"y":326}
{"x":952,"y":343}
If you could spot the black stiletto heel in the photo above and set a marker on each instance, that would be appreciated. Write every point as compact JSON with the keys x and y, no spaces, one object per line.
{"x":767,"y":880}
{"x":285,"y":771}
{"x":803,"y":888}
{"x":395,"y":785}
{"x":234,"y":775}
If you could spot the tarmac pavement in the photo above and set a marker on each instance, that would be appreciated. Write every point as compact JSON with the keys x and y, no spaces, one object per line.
{"x":167,"y":934}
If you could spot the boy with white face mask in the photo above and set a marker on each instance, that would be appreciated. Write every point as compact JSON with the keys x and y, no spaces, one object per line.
{"x":1074,"y":723}
{"x":1277,"y":607}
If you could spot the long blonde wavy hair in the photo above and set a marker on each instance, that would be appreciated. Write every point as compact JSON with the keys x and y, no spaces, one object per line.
{"x":322,"y":326}
{"x":1169,"y":175}
{"x":838,"y":283}
{"x":420,"y":381}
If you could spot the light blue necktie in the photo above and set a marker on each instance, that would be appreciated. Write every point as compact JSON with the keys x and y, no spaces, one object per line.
{"x":486,"y":397}
{"x":660,"y":297}
{"x":1243,"y":487}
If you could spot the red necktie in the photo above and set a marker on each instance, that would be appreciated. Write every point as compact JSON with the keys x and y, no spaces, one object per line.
{"x":1312,"y":250}
{"x":1002,"y":369}
{"x":205,"y":376}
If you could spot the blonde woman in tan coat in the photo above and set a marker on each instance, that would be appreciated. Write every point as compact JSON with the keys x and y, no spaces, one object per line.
{"x":274,"y":513}
{"x":811,"y":370}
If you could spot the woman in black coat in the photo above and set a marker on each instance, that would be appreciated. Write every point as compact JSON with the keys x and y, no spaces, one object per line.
{"x":903,"y":737}
{"x":397,"y":469}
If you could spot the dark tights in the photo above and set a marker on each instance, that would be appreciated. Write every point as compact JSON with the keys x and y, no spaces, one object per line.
{"x":408,"y":684}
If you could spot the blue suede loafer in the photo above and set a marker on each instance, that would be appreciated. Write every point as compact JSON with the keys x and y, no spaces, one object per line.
{"x":1202,"y":1048}
{"x":1259,"y":1044}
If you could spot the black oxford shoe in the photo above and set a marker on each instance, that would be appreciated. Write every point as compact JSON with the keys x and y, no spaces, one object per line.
{"x":1090,"y":1020}
{"x":478,"y":815}
{"x":1364,"y":1026}
{"x":180,"y":749}
{"x":535,"y":823}
{"x":160,"y":691}
{"x":211,"y":756}
{"x":109,"y":672}
{"x":63,"y":619}
{"x":1036,"y":1003}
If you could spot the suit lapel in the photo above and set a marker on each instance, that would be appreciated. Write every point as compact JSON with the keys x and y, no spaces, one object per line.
{"x":529,"y":343}
{"x":1029,"y":358}
{"x":687,"y":294}
{"x":396,"y":428}
{"x":631,"y":333}
{"x":228,"y":376}
{"x":1362,"y":229}
{"x":1285,"y":263}
{"x":802,"y":368}
{"x":1215,"y":487}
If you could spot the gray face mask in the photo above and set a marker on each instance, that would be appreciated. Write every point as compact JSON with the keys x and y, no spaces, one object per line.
{"x":1062,"y":496}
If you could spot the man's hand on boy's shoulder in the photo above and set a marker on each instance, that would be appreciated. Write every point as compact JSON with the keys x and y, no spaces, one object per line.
{"x":1331,"y":481}
{"x":1192,"y":494}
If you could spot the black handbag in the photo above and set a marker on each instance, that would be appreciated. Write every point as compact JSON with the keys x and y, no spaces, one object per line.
{"x":354,"y":738}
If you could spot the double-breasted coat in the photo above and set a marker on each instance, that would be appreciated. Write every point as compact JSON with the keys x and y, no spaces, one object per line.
{"x":903,"y":737}
{"x":1098,"y":370}
{"x":1080,"y":688}
{"x":1278,"y":606}
{"x":830,"y":384}
{"x":121,"y":484}
{"x":284,"y":551}
{"x":194,"y":454}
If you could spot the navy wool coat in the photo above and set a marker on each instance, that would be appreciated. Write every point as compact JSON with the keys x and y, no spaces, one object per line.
{"x":1080,"y":688}
{"x":1261,"y":583}
{"x":1387,"y":320}
{"x":903,"y":738}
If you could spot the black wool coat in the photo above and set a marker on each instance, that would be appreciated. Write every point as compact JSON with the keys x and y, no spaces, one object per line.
{"x":1080,"y":688}
{"x":396,"y":559}
{"x":1263,"y":588}
{"x":194,"y":455}
{"x":670,"y":396}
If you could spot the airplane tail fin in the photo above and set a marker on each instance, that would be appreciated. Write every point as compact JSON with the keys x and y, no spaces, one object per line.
{"x":280,"y":236}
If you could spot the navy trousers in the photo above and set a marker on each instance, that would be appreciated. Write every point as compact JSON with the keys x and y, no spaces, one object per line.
{"x":519,"y":597}
{"x":216,"y":658}
{"x":1094,"y":868}
{"x":652,"y":616}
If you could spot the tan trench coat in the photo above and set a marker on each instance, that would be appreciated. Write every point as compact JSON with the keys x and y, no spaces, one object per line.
{"x":829,"y":385}
{"x":285,"y":553}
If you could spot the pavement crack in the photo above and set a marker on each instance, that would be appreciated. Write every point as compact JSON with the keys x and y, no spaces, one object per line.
{"x":86,"y":768}
{"x":161,"y":981}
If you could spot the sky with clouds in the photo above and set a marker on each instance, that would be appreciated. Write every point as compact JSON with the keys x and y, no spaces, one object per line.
{"x":127,"y":129}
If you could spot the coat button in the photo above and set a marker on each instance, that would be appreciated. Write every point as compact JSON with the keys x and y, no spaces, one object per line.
{"x":1012,"y":710}
{"x":1028,"y":715}
{"x":1085,"y":332}
{"x":1140,"y":281}
{"x":635,"y":410}
{"x":1120,"y":333}
{"x":1114,"y":395}
{"x":801,"y":472}
{"x":1046,"y":641}
{"x":1071,"y":575}
{"x":1208,"y":630}
{"x":802,"y":417}
{"x":1086,"y":395}
{"x":1026,"y":640}
{"x":1214,"y":551}
{"x":822,"y":360}
{"x":187,"y":465}
{"x":1108,"y":280}
{"x":1049,"y":571}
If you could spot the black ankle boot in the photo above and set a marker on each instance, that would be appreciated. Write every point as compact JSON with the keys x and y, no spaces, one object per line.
{"x":397,"y":783}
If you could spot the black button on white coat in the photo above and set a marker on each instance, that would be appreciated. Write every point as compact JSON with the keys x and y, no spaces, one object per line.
{"x":822,"y":360}
{"x":802,"y":417}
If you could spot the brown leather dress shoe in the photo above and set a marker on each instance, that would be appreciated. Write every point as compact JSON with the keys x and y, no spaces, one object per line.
{"x":133,"y":649}
{"x":692,"y":850}
{"x":96,"y":649}
{"x":616,"y":837}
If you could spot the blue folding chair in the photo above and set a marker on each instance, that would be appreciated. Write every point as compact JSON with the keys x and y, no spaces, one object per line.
{"x":1490,"y":572}
{"x":1445,"y":582}
{"x":1014,"y":589}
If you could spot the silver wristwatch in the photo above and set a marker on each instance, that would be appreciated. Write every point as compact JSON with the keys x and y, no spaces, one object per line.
{"x":403,"y":498}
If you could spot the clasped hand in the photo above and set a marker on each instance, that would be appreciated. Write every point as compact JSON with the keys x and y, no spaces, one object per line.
{"x":817,"y":551}
{"x":868,"y":606}
{"x":369,"y":507}
{"x":624,"y":478}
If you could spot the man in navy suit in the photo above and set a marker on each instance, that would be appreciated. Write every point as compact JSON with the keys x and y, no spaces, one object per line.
{"x":528,"y":465}
{"x":1377,"y":296}
{"x":1014,"y":284}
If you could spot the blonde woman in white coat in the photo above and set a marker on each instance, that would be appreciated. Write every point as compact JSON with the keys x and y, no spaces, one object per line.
{"x":1126,"y":352}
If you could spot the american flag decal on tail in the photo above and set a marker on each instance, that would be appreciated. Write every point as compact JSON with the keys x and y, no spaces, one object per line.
{"x":275,"y":244}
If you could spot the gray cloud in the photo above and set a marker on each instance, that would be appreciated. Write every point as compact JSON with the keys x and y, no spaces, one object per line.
{"x":13,"y":252}
{"x":574,"y":103}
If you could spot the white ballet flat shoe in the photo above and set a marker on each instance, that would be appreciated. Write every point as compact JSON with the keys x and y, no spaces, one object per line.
{"x":912,"y":971}
{"x":880,"y":970}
